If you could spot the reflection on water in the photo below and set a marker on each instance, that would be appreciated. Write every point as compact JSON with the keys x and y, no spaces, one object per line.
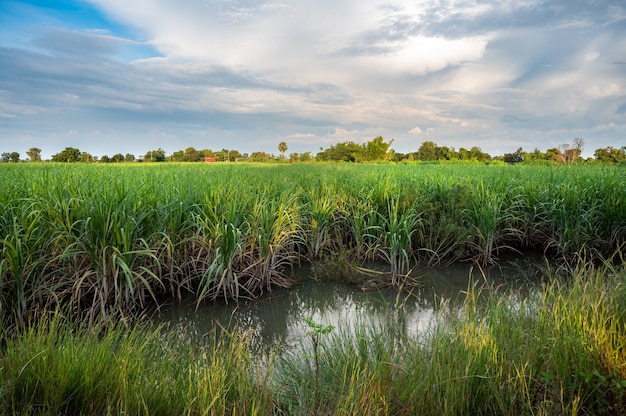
{"x":277,"y":318}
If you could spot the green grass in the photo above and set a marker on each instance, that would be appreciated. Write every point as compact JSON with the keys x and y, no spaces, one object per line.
{"x":558,"y":351}
{"x":62,"y":368}
{"x":107,"y":240}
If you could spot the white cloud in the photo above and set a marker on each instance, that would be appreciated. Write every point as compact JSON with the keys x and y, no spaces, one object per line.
{"x":420,"y":55}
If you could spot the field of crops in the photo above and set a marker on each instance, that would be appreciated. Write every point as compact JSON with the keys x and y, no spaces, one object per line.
{"x":105,"y":240}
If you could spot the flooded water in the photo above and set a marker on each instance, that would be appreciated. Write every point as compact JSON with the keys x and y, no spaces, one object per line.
{"x":277,"y":319}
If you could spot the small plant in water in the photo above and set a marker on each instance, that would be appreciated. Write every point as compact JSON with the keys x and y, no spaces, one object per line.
{"x":316,"y":330}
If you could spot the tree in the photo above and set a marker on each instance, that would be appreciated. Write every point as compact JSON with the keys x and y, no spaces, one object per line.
{"x":15,"y":157}
{"x":222,"y":155}
{"x":427,"y":151}
{"x":117,"y":158}
{"x":377,"y":149}
{"x":6,"y":157}
{"x":207,"y":153}
{"x":282,"y":148}
{"x":464,"y":154}
{"x":129,"y":157}
{"x":234,"y":155}
{"x":259,"y":157}
{"x":191,"y":155}
{"x":178,"y":156}
{"x":571,"y":152}
{"x":611,"y":155}
{"x":516,"y":157}
{"x":86,"y":157}
{"x":155,"y":156}
{"x":69,"y":155}
{"x":577,"y":150}
{"x":553,"y":154}
{"x":534,"y":156}
{"x":476,"y":153}
{"x":34,"y":154}
{"x":445,"y":153}
{"x":306,"y":157}
{"x":343,"y":151}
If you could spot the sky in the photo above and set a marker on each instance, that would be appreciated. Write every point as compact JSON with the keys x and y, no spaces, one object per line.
{"x":129,"y":76}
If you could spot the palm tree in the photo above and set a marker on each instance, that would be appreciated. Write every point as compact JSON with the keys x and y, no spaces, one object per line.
{"x":282,"y":148}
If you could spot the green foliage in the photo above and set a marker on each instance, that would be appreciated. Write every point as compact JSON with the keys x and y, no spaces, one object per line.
{"x":69,"y":155}
{"x":377,"y":149}
{"x":374,"y":150}
{"x":558,"y":350}
{"x":317,"y":329}
{"x":58,"y":367}
{"x":34,"y":154}
{"x":611,"y":155}
{"x":107,"y":240}
{"x":155,"y":156}
{"x":282,"y":148}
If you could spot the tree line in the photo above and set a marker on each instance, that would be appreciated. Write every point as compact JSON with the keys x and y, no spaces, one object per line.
{"x":375,"y":150}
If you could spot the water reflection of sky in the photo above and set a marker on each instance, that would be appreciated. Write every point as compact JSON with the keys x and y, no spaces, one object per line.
{"x":277,"y":318}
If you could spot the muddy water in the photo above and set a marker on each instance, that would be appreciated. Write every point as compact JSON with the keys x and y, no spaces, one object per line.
{"x":277,"y":318}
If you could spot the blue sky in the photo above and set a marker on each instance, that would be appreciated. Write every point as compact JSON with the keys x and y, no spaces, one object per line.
{"x":128,"y":76}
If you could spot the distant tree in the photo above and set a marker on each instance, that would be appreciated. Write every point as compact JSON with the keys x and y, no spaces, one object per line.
{"x":282,"y":148}
{"x":553,"y":155}
{"x":378,"y":149}
{"x":233,"y":155}
{"x":464,"y":154}
{"x":611,"y":155}
{"x":15,"y":157}
{"x":577,"y":148}
{"x":563,"y":152}
{"x":86,"y":157}
{"x":117,"y":158}
{"x":476,"y":153}
{"x":155,"y":156}
{"x":206,"y":153}
{"x":427,"y":151}
{"x":129,"y":157}
{"x":306,"y":157}
{"x":222,"y":155}
{"x":445,"y":153}
{"x":6,"y":157}
{"x":571,"y":152}
{"x":34,"y":154}
{"x":516,"y":157}
{"x":105,"y":159}
{"x":69,"y":155}
{"x":191,"y":155}
{"x":259,"y":157}
{"x":178,"y":156}
{"x":343,"y":151}
{"x":534,"y":156}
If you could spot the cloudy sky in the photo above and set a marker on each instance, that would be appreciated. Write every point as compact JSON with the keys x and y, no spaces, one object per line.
{"x":128,"y":76}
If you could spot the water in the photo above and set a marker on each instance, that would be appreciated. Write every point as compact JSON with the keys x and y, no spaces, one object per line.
{"x":277,"y":318}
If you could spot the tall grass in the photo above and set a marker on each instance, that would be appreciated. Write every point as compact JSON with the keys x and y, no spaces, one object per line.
{"x":64,"y":368}
{"x":108,"y":239}
{"x":558,"y":351}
